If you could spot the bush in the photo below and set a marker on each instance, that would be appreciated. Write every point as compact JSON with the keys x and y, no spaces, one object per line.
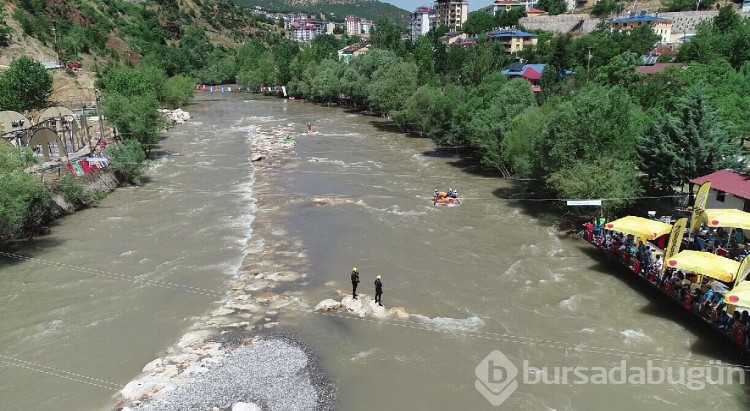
{"x":176,"y":91}
{"x":72,"y":190}
{"x":26,"y":85}
{"x":128,"y":161}
{"x":24,"y":200}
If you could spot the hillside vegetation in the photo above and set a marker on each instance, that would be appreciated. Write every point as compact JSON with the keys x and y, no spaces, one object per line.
{"x":334,"y":10}
{"x":189,"y":37}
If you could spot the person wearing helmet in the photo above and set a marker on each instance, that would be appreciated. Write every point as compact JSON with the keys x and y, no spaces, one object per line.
{"x":378,"y":291}
{"x":355,"y":281}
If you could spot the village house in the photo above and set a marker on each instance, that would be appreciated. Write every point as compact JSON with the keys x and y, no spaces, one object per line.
{"x":502,"y":6}
{"x":530,"y":72}
{"x":513,"y":39}
{"x":353,"y":50}
{"x":660,"y":25}
{"x":729,"y":189}
{"x":535,"y":13}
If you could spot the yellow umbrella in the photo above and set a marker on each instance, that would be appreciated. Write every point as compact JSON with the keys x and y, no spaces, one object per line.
{"x":732,"y":218}
{"x":699,"y":262}
{"x":740,"y":295}
{"x":640,"y":227}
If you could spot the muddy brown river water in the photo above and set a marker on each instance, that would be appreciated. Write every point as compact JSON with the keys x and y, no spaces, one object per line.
{"x":111,"y":287}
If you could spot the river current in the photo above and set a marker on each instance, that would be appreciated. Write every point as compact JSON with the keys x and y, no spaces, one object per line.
{"x":110,"y":287}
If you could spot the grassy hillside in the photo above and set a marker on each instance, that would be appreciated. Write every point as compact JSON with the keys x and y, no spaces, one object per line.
{"x":334,"y":10}
{"x":101,"y":32}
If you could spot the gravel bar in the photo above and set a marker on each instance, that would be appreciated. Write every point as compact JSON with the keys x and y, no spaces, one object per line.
{"x":278,"y":373}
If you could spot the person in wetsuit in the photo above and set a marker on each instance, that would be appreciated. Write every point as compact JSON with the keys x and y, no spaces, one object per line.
{"x":355,"y":281}
{"x":379,"y":291}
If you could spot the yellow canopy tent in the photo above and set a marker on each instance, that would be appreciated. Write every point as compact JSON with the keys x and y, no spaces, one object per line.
{"x":699,"y":262}
{"x":732,"y":218}
{"x":640,"y":227}
{"x":740,"y":295}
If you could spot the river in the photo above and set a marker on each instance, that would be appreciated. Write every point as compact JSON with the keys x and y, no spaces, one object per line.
{"x":112,"y":286}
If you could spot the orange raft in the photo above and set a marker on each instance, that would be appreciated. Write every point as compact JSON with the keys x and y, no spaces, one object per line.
{"x":444,"y":198}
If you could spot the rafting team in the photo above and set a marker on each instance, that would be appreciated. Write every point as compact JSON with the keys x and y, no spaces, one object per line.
{"x":441,"y":196}
{"x":378,"y":286}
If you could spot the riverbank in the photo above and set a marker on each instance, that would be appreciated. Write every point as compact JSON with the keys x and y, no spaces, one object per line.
{"x":228,"y":356}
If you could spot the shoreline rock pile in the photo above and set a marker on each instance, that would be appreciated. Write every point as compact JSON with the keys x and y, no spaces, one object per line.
{"x":176,"y":116}
{"x":362,"y":306}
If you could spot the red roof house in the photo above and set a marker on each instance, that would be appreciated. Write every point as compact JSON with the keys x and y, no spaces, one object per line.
{"x":729,"y":189}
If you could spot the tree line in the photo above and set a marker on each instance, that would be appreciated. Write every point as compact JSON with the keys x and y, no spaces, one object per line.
{"x":598,"y":129}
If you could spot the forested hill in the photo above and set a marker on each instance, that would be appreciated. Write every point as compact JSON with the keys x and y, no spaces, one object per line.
{"x":177,"y":33}
{"x":334,"y":10}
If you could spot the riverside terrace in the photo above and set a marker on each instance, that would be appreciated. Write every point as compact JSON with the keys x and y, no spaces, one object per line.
{"x":702,"y":296}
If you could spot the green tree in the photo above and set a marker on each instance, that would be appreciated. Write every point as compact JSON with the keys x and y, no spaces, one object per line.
{"x":414,"y":116}
{"x":688,"y":143}
{"x":524,"y":140}
{"x":326,"y":83}
{"x":553,"y":7}
{"x":727,"y":20}
{"x":611,"y":178}
{"x":391,"y":86}
{"x":4,"y":29}
{"x":489,"y":122}
{"x":387,"y":36}
{"x":595,"y":122}
{"x":176,"y":91}
{"x":604,"y":8}
{"x":26,"y":85}
{"x":620,"y":71}
{"x":24,"y":200}
{"x":687,"y":5}
{"x":128,"y":161}
{"x":478,"y":23}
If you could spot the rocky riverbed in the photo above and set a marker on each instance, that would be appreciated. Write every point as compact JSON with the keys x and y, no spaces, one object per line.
{"x":227,"y":360}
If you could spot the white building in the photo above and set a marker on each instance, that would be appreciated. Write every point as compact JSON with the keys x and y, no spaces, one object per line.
{"x":452,"y":13}
{"x":353,"y":25}
{"x":307,"y":30}
{"x":422,"y":21}
{"x":366,"y":26}
{"x":729,"y":189}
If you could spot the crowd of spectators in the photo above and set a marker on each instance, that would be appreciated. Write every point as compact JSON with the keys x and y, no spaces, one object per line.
{"x":697,"y":293}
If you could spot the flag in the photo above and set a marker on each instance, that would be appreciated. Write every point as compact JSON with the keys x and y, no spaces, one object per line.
{"x":86,"y":167}
{"x":675,"y":239}
{"x":701,"y":199}
{"x":743,"y":271}
{"x":71,"y":169}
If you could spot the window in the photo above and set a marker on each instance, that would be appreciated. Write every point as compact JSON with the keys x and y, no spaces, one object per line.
{"x":746,"y":207}
{"x":720,"y":196}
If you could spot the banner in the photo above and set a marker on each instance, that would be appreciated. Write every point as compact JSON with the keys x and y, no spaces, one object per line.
{"x":743,"y":271}
{"x":701,"y":199}
{"x":675,"y":240}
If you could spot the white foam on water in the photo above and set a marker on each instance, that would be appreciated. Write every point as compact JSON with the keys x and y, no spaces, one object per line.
{"x":44,"y":330}
{"x":513,"y":269}
{"x":126,"y":253}
{"x":472,"y":323}
{"x":572,"y":303}
{"x":631,"y":336}
{"x":364,"y":354}
{"x":557,"y":277}
{"x":587,"y":330}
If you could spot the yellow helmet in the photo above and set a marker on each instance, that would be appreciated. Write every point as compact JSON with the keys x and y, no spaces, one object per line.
{"x":354,"y":269}
{"x":378,"y":277}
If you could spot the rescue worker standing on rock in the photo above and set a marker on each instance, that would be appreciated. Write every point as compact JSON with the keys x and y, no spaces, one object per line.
{"x":379,"y":291}
{"x":355,"y":281}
